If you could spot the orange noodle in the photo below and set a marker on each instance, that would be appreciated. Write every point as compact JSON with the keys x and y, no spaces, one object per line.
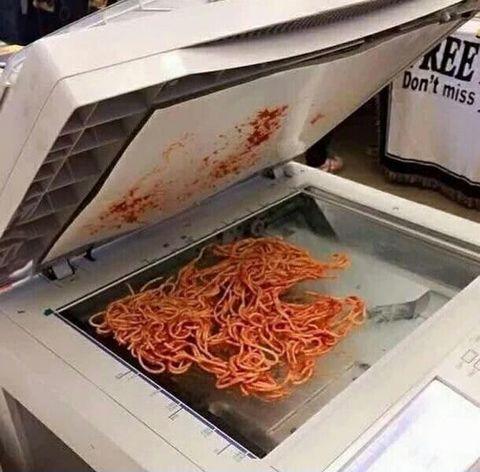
{"x":236,"y":317}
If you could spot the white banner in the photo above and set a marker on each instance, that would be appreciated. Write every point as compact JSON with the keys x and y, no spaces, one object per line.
{"x":433,"y":129}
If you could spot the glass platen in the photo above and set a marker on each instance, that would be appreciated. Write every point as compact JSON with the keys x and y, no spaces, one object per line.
{"x":404,"y":275}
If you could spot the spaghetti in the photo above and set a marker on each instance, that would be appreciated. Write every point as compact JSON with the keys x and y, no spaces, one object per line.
{"x":236,"y":317}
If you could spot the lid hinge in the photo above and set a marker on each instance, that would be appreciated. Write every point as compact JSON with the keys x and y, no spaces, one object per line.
{"x":277,"y":172}
{"x":61,"y":269}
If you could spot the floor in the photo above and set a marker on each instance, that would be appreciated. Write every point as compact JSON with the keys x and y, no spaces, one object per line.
{"x":351,"y":142}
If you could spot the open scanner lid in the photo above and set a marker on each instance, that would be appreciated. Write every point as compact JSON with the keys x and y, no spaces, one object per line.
{"x":114,"y":125}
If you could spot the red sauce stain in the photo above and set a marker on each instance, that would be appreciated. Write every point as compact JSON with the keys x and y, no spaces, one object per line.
{"x":130,"y":208}
{"x":171,"y":149}
{"x":185,"y":196}
{"x":258,"y":130}
{"x":175,"y":146}
{"x":152,"y":193}
{"x":316,"y":118}
{"x":146,"y":195}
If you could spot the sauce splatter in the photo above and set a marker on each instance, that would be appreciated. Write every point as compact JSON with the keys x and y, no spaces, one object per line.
{"x":146,"y":195}
{"x":171,"y":149}
{"x":258,"y":130}
{"x":316,"y":118}
{"x":152,"y":193}
{"x":175,"y":146}
{"x":130,"y":208}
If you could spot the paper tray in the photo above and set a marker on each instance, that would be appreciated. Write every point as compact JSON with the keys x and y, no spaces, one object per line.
{"x":403,"y":276}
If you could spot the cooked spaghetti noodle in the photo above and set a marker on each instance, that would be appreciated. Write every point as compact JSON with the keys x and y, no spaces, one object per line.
{"x":236,"y":318}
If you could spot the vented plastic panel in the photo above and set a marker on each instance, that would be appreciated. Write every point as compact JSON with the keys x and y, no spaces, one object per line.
{"x":321,"y":19}
{"x":464,"y":8}
{"x":86,"y":146}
